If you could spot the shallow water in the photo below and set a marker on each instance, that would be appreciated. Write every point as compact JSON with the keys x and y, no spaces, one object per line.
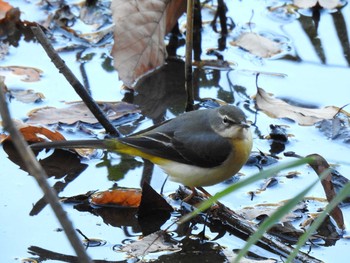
{"x":319,"y":77}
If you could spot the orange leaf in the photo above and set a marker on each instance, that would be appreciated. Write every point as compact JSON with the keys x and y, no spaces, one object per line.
{"x":119,"y":197}
{"x":39,"y":134}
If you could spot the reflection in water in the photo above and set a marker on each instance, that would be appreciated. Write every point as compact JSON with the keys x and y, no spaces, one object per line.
{"x":310,"y":28}
{"x":340,"y":27}
{"x":53,"y":167}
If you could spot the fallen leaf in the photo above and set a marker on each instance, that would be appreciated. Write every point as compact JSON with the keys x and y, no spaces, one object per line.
{"x":35,"y":134}
{"x":276,"y":108}
{"x":30,"y":74}
{"x":149,"y":244}
{"x":140,"y":28}
{"x":78,"y":111}
{"x":40,"y":134}
{"x":125,"y":197}
{"x":27,"y":96}
{"x":257,"y":45}
{"x":327,"y":4}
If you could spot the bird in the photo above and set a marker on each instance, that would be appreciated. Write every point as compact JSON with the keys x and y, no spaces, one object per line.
{"x":197,"y":148}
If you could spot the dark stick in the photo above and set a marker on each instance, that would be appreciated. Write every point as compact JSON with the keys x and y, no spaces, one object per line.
{"x":188,"y":59}
{"x":78,"y":87}
{"x":35,"y":169}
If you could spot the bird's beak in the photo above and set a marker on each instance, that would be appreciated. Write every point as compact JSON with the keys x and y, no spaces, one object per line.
{"x":245,"y":125}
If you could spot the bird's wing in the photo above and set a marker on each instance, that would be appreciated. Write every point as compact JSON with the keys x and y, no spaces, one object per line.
{"x":205,"y":149}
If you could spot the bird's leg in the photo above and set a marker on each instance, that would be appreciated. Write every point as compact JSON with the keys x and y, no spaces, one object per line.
{"x":208,"y":195}
{"x":189,"y":197}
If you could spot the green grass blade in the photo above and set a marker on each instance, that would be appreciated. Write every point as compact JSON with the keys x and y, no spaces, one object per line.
{"x":271,"y":220}
{"x":343,"y":193}
{"x":261,"y":175}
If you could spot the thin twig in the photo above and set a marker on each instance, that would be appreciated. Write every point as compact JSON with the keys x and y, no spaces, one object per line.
{"x":78,"y":87}
{"x":188,"y":60}
{"x":35,"y":169}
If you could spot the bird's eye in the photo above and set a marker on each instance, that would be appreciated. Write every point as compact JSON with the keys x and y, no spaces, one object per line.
{"x":225,"y":120}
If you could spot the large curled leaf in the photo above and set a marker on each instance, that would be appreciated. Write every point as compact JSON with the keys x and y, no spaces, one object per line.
{"x":276,"y":108}
{"x":140,"y":27}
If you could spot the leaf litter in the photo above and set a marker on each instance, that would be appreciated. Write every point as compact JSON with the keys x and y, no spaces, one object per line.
{"x":79,"y":112}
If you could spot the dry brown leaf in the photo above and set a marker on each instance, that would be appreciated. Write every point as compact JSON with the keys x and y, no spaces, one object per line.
{"x":257,"y":45}
{"x":140,"y":27}
{"x":327,"y":4}
{"x":79,"y":112}
{"x":31,"y":74}
{"x":124,"y":197}
{"x":27,"y":96}
{"x":276,"y":108}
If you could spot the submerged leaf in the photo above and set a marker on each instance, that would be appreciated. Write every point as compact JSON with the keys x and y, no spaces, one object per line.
{"x":257,"y":45}
{"x":149,"y":244}
{"x":276,"y":108}
{"x":265,"y":210}
{"x":27,"y":96}
{"x":30,"y":74}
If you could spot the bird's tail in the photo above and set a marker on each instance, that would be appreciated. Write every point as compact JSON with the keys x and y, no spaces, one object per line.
{"x":95,"y":144}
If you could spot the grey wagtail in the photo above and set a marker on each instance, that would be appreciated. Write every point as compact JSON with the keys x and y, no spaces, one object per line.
{"x":197,"y":148}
